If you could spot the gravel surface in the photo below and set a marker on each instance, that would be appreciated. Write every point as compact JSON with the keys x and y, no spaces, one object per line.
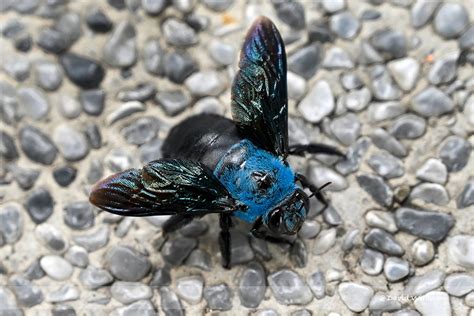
{"x":89,"y":88}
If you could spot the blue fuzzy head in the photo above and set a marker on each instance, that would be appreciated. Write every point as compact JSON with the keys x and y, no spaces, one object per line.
{"x":261,"y":181}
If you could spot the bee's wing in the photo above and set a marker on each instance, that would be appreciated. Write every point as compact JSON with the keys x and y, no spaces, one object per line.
{"x":259,"y":91}
{"x":163,"y":187}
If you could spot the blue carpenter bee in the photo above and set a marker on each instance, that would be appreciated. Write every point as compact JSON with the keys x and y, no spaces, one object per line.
{"x":236,"y":168}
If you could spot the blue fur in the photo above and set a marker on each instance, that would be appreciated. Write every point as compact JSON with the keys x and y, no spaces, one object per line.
{"x":238,"y":180}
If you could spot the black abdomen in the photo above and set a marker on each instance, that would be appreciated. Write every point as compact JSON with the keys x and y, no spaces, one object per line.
{"x":205,"y":138}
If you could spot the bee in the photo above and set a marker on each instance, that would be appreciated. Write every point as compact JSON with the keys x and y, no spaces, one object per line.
{"x":236,"y":168}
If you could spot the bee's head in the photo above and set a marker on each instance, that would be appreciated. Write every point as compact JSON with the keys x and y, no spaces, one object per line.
{"x":287,"y":218}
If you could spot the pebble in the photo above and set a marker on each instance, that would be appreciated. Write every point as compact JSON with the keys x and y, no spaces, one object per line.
{"x":318,"y":102}
{"x":467,"y":39}
{"x":25,"y":178}
{"x":170,"y":302}
{"x":331,"y":216}
{"x":357,"y":100}
{"x":422,"y":12}
{"x":368,"y":55}
{"x":72,"y":144}
{"x":422,"y":252}
{"x":17,"y":67}
{"x":93,"y":278}
{"x":469,"y":299}
{"x":161,"y":277}
{"x":27,"y":294}
{"x":120,"y":50}
{"x":309,"y":229}
{"x":408,"y":126}
{"x":175,"y":251}
{"x":353,"y":156}
{"x":405,"y":72}
{"x":288,"y":288}
{"x":39,"y":205}
{"x":395,"y":269}
{"x":291,"y":13}
{"x":461,"y":250}
{"x":376,"y":188}
{"x":337,"y":58}
{"x":11,"y":223}
{"x":370,"y":15}
{"x":66,"y":292}
{"x":64,"y":176}
{"x":48,"y":75}
{"x":424,"y":304}
{"x":93,"y":241}
{"x":319,"y":32}
{"x":92,"y":101}
{"x":419,"y":285}
{"x":34,"y":271}
{"x":344,"y":24}
{"x":34,"y":103}
{"x":52,"y":41}
{"x":117,"y":4}
{"x":430,"y":225}
{"x":190,"y":288}
{"x":137,"y":267}
{"x":153,"y":7}
{"x":260,"y":247}
{"x":178,"y":66}
{"x":125,"y":110}
{"x":129,"y":292}
{"x":346,"y":128}
{"x":454,"y":153}
{"x":466,"y":197}
{"x":320,"y":175}
{"x":82,"y":71}
{"x":382,"y":84}
{"x":78,"y":215}
{"x":385,"y":141}
{"x":218,"y":5}
{"x":432,"y":102}
{"x":433,"y":170}
{"x":143,"y":307}
{"x":241,"y":252}
{"x":332,"y":6}
{"x":430,"y":193}
{"x":351,"y":80}
{"x":153,"y":57}
{"x":451,"y":20}
{"x":381,"y":240}
{"x":173,"y":101}
{"x":51,"y":237}
{"x":194,"y":229}
{"x":381,"y":219}
{"x":69,"y":24}
{"x":382,"y":302}
{"x":56,"y":267}
{"x":150,"y":151}
{"x":98,"y":22}
{"x":317,"y":284}
{"x":305,"y":61}
{"x":218,"y":297}
{"x":299,"y":254}
{"x":381,"y":111}
{"x":205,"y":83}
{"x":69,"y":106}
{"x":355,"y":296}
{"x":267,"y":312}
{"x":386,"y":165}
{"x":118,"y":160}
{"x":443,"y":71}
{"x":372,"y":262}
{"x":142,"y":92}
{"x":178,"y":33}
{"x":77,"y":256}
{"x":95,"y":171}
{"x":8,"y":149}
{"x":392,"y":44}
{"x":222,"y":53}
{"x":7,"y":300}
{"x":141,"y":130}
{"x":459,"y":284}
{"x":124,"y":227}
{"x":251,"y":288}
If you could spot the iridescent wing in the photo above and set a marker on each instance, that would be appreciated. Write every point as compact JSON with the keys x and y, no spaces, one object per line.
{"x":163,"y":187}
{"x":259,"y":91}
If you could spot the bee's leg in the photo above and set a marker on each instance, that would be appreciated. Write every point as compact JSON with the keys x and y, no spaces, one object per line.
{"x":315,"y":190}
{"x":313,"y":148}
{"x":175,"y":222}
{"x":225,"y":222}
{"x":258,"y":231}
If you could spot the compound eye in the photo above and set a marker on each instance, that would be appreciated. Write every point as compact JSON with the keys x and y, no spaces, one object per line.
{"x":275,"y":222}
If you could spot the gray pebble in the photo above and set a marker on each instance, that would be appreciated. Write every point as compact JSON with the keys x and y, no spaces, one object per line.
{"x":346,"y":128}
{"x":129,"y":292}
{"x":382,"y":84}
{"x":396,"y":269}
{"x":332,"y":6}
{"x":291,"y":13}
{"x":451,"y":20}
{"x":17,"y":67}
{"x":345,"y":25}
{"x":153,"y":57}
{"x":173,"y":101}
{"x":422,"y":12}
{"x":77,"y":256}
{"x":443,"y":70}
{"x":51,"y":237}
{"x":430,"y":193}
{"x":25,"y":178}
{"x":8,"y":149}
{"x":69,"y":24}
{"x":190,"y":288}
{"x":368,"y":55}
{"x":150,"y":151}
{"x":178,"y":33}
{"x":83,"y":71}
{"x":381,"y":240}
{"x":386,"y":165}
{"x":405,"y":72}
{"x":309,"y":229}
{"x":317,"y":284}
{"x":142,"y":92}
{"x":331,"y":216}
{"x":66,"y":292}
{"x":320,"y":175}
{"x":390,"y":43}
{"x":92,"y":101}
{"x":125,"y":110}
{"x":93,"y":241}
{"x":299,"y":254}
{"x":424,"y":283}
{"x":353,"y":156}
{"x":408,"y":126}
{"x":177,"y":250}
{"x":97,"y":21}
{"x":11,"y":223}
{"x":95,"y":171}
{"x":34,"y":103}
{"x":433,"y":170}
{"x":170,"y":302}
{"x":357,"y":100}
{"x":241,"y":252}
{"x":372,"y":262}
{"x":459,"y":284}
{"x":382,"y":302}
{"x":355,"y":296}
{"x":120,"y":49}
{"x":205,"y":83}
{"x":252,"y":285}
{"x":433,"y":226}
{"x":376,"y":188}
{"x":455,"y":152}
{"x":27,"y":294}
{"x":154,"y":7}
{"x":52,"y":41}
{"x":318,"y":103}
{"x":222,"y":53}
{"x":194,"y":229}
{"x":381,"y":219}
{"x":466,"y":197}
{"x":288,"y":288}
{"x":34,"y":271}
{"x":137,"y":267}
{"x":143,"y":308}
{"x":467,"y":38}
{"x":426,"y":307}
{"x":72,"y":144}
{"x":432,"y":102}
{"x":422,"y":252}
{"x":305,"y":61}
{"x":384,"y":140}
{"x":337,"y":58}
{"x":161,"y":277}
{"x":260,"y":247}
{"x":56,"y":267}
{"x":93,"y":278}
{"x":141,"y":130}
{"x":178,"y":66}
{"x":48,"y":75}
{"x":39,"y":205}
{"x":267,"y":312}
{"x":218,"y":5}
{"x":210,"y":105}
{"x":351,"y":80}
{"x":218,"y":297}
{"x":78,"y":215}
{"x":461,"y":250}
{"x":380,"y":111}
{"x":93,"y":135}
{"x":118,"y":160}
{"x":124,"y":227}
{"x":69,"y":106}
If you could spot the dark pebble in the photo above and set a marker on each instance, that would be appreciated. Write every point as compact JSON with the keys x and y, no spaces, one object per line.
{"x":170,"y":303}
{"x":92,"y":101}
{"x":218,"y":297}
{"x":377,"y":189}
{"x":23,"y":42}
{"x":78,"y":215}
{"x":319,"y":31}
{"x":381,"y":240}
{"x":390,"y":43}
{"x":52,"y":41}
{"x":12,"y":29}
{"x":93,"y":135}
{"x":161,"y":277}
{"x":39,"y":205}
{"x":455,"y":152}
{"x":27,"y":294}
{"x":64,"y":176}
{"x":305,"y":61}
{"x":177,"y":250}
{"x":194,"y":229}
{"x":37,"y":146}
{"x":370,"y":15}
{"x":142,"y":92}
{"x":117,"y":4}
{"x":98,"y":22}
{"x":466,"y":198}
{"x":252,"y":285}
{"x":34,"y":271}
{"x":299,"y":254}
{"x":82,"y":71}
{"x":137,"y":264}
{"x":433,"y":226}
{"x":63,"y":310}
{"x":8,"y":149}
{"x":291,"y":13}
{"x":25,"y":178}
{"x":179,"y":65}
